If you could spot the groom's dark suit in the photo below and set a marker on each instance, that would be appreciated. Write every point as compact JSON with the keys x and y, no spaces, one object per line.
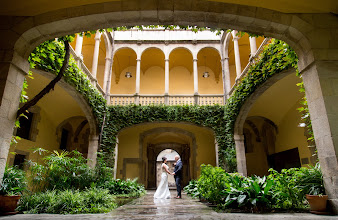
{"x":178,"y":176}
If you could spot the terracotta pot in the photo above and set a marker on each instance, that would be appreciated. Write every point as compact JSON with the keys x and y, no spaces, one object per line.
{"x":317,"y":203}
{"x":8,"y":204}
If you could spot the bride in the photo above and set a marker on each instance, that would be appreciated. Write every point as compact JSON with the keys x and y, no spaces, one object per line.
{"x":162,"y":191}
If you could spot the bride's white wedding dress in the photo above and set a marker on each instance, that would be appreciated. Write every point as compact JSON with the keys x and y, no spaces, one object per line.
{"x":162,"y":191}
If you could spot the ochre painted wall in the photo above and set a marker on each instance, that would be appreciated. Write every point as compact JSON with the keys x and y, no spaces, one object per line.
{"x":129,"y":146}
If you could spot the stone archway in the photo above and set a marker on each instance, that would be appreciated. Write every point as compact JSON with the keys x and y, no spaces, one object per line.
{"x":154,"y":149}
{"x":312,"y":35}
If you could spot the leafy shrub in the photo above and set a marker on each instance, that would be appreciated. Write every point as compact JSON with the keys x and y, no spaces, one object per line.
{"x":13,"y":182}
{"x":65,"y":170}
{"x":192,"y":189}
{"x":283,"y":191}
{"x":68,"y":202}
{"x":287,"y":193}
{"x":212,"y":183}
{"x":252,"y":193}
{"x":310,"y":180}
{"x":124,"y":187}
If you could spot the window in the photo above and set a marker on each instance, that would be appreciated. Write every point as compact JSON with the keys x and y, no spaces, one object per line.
{"x":25,"y":126}
{"x":19,"y":160}
{"x":64,"y":139}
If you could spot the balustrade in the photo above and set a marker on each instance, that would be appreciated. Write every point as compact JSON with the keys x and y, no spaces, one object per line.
{"x":161,"y":99}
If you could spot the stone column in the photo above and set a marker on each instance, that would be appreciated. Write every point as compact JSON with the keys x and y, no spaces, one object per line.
{"x":195,"y":70}
{"x":78,"y":46}
{"x":166,"y":84}
{"x":96,"y":53}
{"x":240,"y":155}
{"x":92,"y":150}
{"x":226,"y":77}
{"x":13,"y":69}
{"x":253,"y":46}
{"x":106,"y":73}
{"x":321,"y":87}
{"x":138,"y":81}
{"x":237,"y":55}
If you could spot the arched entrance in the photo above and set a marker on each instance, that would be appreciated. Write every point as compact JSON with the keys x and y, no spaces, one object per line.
{"x":153,"y":150}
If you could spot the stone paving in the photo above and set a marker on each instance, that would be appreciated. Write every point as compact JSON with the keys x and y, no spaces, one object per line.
{"x":186,"y":208}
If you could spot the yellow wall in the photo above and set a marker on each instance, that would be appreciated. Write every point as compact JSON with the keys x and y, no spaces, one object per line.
{"x":129,"y":144}
{"x":55,"y":107}
{"x":279,"y":104}
{"x":181,"y":81}
{"x":122,"y":85}
{"x":152,"y":81}
{"x":291,"y":135}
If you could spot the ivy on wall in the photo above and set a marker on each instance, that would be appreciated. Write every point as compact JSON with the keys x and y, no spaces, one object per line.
{"x":276,"y":57}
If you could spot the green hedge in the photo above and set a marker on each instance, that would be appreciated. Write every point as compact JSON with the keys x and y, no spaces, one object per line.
{"x":275,"y":58}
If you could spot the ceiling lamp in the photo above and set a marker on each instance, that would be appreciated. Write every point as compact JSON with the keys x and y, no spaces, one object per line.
{"x":206,"y":73}
{"x":128,"y":73}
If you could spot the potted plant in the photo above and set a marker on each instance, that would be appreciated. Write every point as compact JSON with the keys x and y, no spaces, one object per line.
{"x":311,"y":182}
{"x":13,"y":183}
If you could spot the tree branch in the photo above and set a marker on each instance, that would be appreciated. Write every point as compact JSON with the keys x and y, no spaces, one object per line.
{"x":50,"y":86}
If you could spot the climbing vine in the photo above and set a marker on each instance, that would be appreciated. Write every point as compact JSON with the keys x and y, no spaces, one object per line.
{"x":276,"y":57}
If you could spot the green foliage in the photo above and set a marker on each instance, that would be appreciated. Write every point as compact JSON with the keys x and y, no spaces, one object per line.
{"x":68,"y":201}
{"x":13,"y":182}
{"x":61,"y":171}
{"x":192,"y":189}
{"x":310,"y":180}
{"x":119,"y":117}
{"x":211,"y":183}
{"x":305,"y":116}
{"x":124,"y":187}
{"x":275,"y":58}
{"x":287,"y":193}
{"x":282,"y":191}
{"x":252,"y":193}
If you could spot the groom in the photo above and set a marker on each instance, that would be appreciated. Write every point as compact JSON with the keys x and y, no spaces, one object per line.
{"x":178,"y":173}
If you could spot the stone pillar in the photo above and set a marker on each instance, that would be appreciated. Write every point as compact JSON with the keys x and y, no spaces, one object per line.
{"x":195,"y":69}
{"x":166,"y":82}
{"x":106,"y":73}
{"x":253,"y":46}
{"x":138,"y":76}
{"x":166,"y":73}
{"x":226,"y":77}
{"x":240,"y":155}
{"x":13,"y":69}
{"x":78,"y":46}
{"x":96,"y":53}
{"x":237,"y":55}
{"x":92,"y":150}
{"x":321,"y":87}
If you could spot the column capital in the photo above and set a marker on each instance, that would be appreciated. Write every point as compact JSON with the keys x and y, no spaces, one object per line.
{"x":108,"y":59}
{"x":166,"y":60}
{"x":138,"y":59}
{"x":195,"y":60}
{"x":97,"y":38}
{"x":225,"y":58}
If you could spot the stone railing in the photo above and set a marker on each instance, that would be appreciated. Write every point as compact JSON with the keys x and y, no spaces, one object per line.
{"x":84,"y":69}
{"x":126,"y":99}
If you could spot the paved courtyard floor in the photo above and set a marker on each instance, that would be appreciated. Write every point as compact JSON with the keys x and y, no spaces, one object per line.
{"x":148,"y":208}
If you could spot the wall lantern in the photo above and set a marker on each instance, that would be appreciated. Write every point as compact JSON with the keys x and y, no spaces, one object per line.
{"x":206,"y":73}
{"x":128,"y":73}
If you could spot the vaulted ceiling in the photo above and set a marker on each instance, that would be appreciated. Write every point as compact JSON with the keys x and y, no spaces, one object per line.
{"x":35,"y":7}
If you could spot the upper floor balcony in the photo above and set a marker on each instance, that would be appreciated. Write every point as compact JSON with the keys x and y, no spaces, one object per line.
{"x":165,"y":67}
